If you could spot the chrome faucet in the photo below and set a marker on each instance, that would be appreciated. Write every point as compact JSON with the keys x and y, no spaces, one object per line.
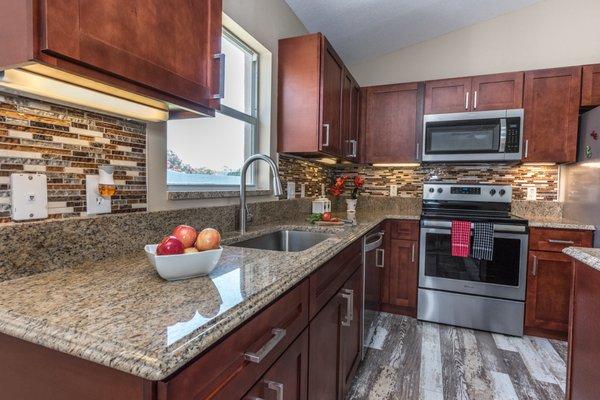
{"x":245,"y":215}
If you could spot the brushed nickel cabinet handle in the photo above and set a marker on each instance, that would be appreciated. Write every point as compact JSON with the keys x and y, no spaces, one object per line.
{"x":561,"y":241}
{"x":277,"y":387}
{"x":278,"y":335}
{"x":348,"y":295}
{"x":412,"y":256}
{"x":354,"y":148}
{"x":418,"y":155}
{"x":467,"y":101}
{"x":526,"y":148}
{"x":475,"y":99}
{"x":380,"y":253}
{"x":326,"y":142}
{"x":221,"y":93}
{"x":535,"y":266}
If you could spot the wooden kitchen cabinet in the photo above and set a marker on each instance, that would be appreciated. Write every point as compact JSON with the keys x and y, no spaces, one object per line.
{"x":447,"y":96}
{"x":583,"y":374}
{"x":549,"y":275}
{"x":168,"y":53}
{"x":478,"y":93}
{"x":336,"y":342}
{"x":401,"y":268}
{"x":350,"y":118}
{"x":551,"y":101}
{"x":313,"y":90}
{"x":288,"y":377}
{"x":590,"y":85}
{"x":393,"y":123}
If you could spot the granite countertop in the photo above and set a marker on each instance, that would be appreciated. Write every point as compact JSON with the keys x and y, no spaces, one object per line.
{"x":587,"y":255}
{"x":558,"y":223}
{"x":121,"y":314}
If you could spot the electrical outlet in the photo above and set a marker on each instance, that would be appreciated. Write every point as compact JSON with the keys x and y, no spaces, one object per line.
{"x":95,"y":204}
{"x":531,"y":193}
{"x":393,"y":190}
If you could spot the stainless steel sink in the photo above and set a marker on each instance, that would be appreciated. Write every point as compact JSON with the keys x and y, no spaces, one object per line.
{"x":284,"y":240}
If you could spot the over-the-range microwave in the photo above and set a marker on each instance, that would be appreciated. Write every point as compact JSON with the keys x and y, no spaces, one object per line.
{"x":473,"y":136}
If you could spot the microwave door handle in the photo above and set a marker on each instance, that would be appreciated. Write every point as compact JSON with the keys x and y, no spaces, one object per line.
{"x":502,"y":146}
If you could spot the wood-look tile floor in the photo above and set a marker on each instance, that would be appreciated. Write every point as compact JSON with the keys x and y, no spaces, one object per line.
{"x":409,"y":359}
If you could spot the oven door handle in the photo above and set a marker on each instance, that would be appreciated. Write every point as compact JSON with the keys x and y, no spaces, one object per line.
{"x":520,"y":236}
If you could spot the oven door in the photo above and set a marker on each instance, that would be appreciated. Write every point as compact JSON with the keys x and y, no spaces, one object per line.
{"x":503,"y":277}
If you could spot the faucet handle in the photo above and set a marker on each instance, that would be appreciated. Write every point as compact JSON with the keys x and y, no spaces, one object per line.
{"x":248,"y":214}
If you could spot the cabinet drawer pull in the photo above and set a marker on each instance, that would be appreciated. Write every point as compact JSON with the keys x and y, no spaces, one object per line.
{"x":379,"y":253}
{"x":475,"y":99}
{"x":535,"y":266}
{"x":277,"y":387}
{"x":418,"y":156}
{"x":326,"y":141}
{"x":467,"y":101}
{"x":354,"y":148}
{"x":526,"y":148}
{"x":412,"y":255}
{"x":348,"y":294}
{"x":560,"y":241}
{"x":221,"y":93}
{"x":278,"y":335}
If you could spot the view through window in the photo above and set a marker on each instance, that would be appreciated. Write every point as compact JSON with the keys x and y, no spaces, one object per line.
{"x":209,"y":152}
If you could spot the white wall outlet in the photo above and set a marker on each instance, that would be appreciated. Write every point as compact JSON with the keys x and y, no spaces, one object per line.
{"x":95,"y":204}
{"x":291,"y":190}
{"x":531,"y":193}
{"x":29,"y":196}
{"x":393,"y":190}
{"x":303,"y":190}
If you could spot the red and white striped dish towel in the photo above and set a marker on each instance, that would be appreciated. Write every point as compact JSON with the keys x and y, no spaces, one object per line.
{"x":461,"y":238}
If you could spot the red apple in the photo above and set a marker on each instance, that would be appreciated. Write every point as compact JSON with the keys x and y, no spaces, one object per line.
{"x":186,"y":235}
{"x":169,"y":245}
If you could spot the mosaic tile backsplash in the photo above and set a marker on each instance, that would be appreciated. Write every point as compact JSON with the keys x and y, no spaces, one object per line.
{"x":410,"y":179}
{"x":66,"y":144}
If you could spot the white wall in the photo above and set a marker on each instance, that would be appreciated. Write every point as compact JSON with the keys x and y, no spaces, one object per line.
{"x":266,"y":21}
{"x":550,"y":33}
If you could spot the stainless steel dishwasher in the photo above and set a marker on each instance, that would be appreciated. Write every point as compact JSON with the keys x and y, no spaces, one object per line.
{"x":374,"y":256}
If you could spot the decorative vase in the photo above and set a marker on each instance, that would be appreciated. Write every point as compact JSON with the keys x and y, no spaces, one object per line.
{"x":351,"y":204}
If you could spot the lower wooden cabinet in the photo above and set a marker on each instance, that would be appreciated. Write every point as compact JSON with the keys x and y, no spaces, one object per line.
{"x":548,"y":293}
{"x":335,"y":342}
{"x":401,"y":268}
{"x":287,"y":378}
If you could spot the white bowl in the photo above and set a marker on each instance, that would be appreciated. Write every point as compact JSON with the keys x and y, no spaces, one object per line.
{"x":183,"y":266}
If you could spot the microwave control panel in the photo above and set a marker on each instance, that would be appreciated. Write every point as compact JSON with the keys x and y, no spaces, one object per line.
{"x":513,"y":135}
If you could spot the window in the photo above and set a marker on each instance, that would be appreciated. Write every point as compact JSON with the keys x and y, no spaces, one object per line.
{"x":209,"y":152}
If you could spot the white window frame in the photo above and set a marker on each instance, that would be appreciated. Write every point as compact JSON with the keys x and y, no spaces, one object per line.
{"x":251,"y":140}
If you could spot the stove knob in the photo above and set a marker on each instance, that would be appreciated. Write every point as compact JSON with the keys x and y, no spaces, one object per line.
{"x":431,"y":190}
{"x":440,"y":190}
{"x":502,"y":192}
{"x":493,"y":192}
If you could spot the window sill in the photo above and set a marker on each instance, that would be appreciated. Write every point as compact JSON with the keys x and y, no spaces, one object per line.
{"x":216,"y":194}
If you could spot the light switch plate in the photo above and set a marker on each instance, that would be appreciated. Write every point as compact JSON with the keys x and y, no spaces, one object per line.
{"x":95,"y":204}
{"x":29,"y":196}
{"x":393,"y":190}
{"x":531,"y":193}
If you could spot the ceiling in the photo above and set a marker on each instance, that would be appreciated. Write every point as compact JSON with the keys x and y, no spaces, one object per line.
{"x":363,"y":29}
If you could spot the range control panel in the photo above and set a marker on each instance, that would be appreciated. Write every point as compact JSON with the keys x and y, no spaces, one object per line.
{"x":458,"y":192}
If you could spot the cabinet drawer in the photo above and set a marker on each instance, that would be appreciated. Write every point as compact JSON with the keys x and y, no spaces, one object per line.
{"x":404,"y":230}
{"x":231,"y":368}
{"x":327,"y":280}
{"x":546,"y":239}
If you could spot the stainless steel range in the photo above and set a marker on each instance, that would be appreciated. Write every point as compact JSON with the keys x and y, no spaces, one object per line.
{"x":465,"y":291}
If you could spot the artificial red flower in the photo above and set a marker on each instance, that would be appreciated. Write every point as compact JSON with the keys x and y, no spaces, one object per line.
{"x":359,"y":181}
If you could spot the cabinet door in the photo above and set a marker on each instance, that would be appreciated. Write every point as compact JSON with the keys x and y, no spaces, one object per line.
{"x":401,"y":275}
{"x":168,"y":46}
{"x":497,"y":92}
{"x":447,"y":96}
{"x":347,"y":148}
{"x":548,"y":292}
{"x":551,"y":101}
{"x":288,"y":377}
{"x":325,"y":347}
{"x":391,"y":123}
{"x":590,"y":85}
{"x":331,"y":82}
{"x":352,"y":333}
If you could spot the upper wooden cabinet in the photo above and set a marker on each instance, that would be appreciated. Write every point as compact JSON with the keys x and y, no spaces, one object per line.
{"x":590,"y":85}
{"x":350,"y":118}
{"x":167,"y":52}
{"x":315,"y":104}
{"x":392,"y":123}
{"x":479,"y":93}
{"x":551,"y":101}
